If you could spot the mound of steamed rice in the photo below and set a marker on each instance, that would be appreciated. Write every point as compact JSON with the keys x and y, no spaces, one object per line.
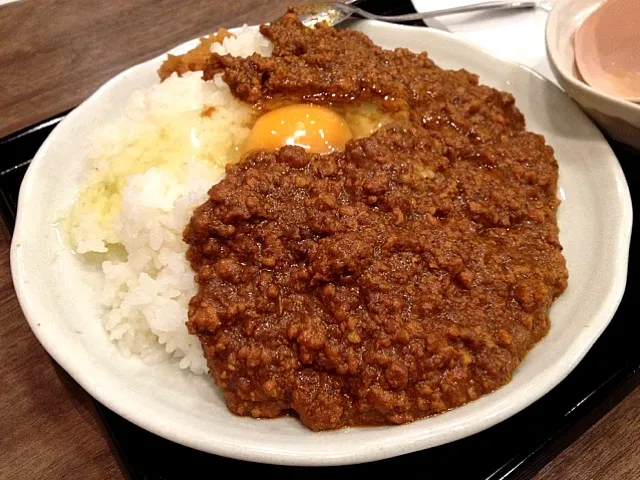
{"x":150,"y":169}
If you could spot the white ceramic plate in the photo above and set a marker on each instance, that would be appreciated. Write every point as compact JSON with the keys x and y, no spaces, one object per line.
{"x":60,"y":296}
{"x":516,"y":34}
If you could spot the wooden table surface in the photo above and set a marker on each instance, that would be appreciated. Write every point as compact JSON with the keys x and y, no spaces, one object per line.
{"x":53,"y":54}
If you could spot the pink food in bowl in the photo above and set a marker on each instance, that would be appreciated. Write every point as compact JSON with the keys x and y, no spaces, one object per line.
{"x":607,"y":49}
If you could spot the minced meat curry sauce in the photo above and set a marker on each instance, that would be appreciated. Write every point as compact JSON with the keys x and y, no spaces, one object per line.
{"x":402,"y":277}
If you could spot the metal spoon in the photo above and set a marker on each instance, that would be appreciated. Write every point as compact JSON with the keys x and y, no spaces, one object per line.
{"x":334,"y":13}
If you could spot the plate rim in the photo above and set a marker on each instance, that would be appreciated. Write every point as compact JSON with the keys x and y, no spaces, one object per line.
{"x":573,"y":355}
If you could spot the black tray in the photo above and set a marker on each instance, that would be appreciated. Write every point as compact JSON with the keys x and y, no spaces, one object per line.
{"x":513,"y":449}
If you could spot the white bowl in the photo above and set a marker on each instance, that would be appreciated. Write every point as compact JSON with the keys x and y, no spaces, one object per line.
{"x":60,"y":295}
{"x":617,"y":117}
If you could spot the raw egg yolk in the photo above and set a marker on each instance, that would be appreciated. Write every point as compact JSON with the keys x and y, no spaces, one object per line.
{"x":316,"y":129}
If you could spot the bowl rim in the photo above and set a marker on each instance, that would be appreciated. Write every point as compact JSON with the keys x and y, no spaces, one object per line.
{"x":560,"y":71}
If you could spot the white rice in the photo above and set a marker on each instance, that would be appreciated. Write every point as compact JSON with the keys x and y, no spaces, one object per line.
{"x":141,"y":194}
{"x":146,"y":297}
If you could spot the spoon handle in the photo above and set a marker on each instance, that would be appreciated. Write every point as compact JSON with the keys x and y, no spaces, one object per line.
{"x":495,"y":5}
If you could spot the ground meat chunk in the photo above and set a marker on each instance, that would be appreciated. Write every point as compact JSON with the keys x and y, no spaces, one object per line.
{"x":405,"y":276}
{"x":327,"y":65}
{"x":193,"y":60}
{"x":356,"y":289}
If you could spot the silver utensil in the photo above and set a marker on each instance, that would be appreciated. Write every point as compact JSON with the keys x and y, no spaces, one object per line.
{"x":335,"y":13}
